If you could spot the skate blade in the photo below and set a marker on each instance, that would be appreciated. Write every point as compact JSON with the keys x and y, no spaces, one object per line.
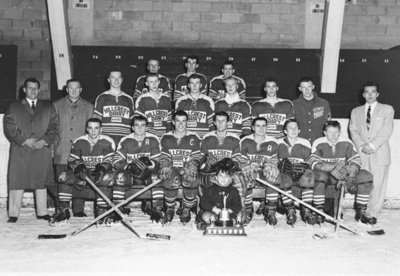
{"x":152,"y":236}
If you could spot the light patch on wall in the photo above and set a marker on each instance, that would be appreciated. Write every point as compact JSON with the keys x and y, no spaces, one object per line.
{"x":114,"y":15}
{"x":81,"y":4}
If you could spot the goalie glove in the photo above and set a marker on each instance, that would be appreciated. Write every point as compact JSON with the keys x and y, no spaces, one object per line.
{"x":339,"y":172}
{"x":298,"y":169}
{"x":250,"y":172}
{"x":270,"y":172}
{"x":190,"y":172}
{"x":165,"y":169}
{"x":285,"y":166}
{"x":138,"y":169}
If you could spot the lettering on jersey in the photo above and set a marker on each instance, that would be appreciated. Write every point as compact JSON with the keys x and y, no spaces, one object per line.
{"x":130,"y":157}
{"x":179,"y":156}
{"x":220,"y":153}
{"x":335,"y":160}
{"x":260,"y":159}
{"x":116,"y":112}
{"x":196,"y":117}
{"x":92,"y":161}
{"x":235,"y":117}
{"x":294,"y":160}
{"x":157,"y":116}
{"x":318,"y":112}
{"x":274,"y":119}
{"x":146,"y":142}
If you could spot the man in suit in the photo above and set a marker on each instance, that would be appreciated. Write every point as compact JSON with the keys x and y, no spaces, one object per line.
{"x":31,"y":125}
{"x":371,"y":126}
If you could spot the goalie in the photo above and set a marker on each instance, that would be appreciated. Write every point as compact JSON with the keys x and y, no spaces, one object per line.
{"x":336,"y":162}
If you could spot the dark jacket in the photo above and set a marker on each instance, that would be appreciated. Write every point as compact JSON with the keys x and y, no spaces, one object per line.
{"x":213,"y":197}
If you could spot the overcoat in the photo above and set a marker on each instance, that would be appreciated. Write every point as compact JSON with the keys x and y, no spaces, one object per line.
{"x":30,"y":168}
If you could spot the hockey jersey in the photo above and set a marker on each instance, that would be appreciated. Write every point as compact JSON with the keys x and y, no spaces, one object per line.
{"x":200,"y":112}
{"x":299,"y":152}
{"x":92,"y":154}
{"x":158,"y":114}
{"x":115,"y":112}
{"x":276,"y":115}
{"x":217,"y":88}
{"x":182,"y":150}
{"x":141,"y":88}
{"x":260,"y":153}
{"x":220,"y":149}
{"x":181,"y":85}
{"x":130,"y":149}
{"x":239,"y":116}
{"x":343,"y":151}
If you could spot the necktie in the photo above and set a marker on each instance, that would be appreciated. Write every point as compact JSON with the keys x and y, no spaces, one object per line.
{"x":368,"y":121}
{"x":33,"y":106}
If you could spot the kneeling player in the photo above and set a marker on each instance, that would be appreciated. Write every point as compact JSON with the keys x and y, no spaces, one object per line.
{"x":138,"y":153}
{"x":221,"y":194}
{"x":91,"y":155}
{"x":336,"y":162}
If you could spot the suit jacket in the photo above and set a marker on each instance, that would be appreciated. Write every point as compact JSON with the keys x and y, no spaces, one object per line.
{"x":381,"y":128}
{"x":30,"y":168}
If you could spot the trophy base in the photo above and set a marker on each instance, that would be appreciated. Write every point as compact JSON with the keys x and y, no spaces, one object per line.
{"x":225,"y":231}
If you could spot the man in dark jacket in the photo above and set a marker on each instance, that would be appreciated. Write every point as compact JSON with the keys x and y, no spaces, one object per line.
{"x":31,"y":126}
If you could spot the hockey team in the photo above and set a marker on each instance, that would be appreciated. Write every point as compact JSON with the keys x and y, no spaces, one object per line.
{"x":212,"y":144}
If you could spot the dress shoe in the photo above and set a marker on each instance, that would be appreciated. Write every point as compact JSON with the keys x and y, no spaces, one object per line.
{"x":80,"y":215}
{"x":45,"y":217}
{"x":12,"y":219}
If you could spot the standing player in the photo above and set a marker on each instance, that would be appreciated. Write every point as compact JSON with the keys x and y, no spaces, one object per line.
{"x":259,"y":153}
{"x":155,"y":106}
{"x":239,"y":110}
{"x":180,"y":157}
{"x":217,"y":84}
{"x":153,"y":66}
{"x":336,"y":162}
{"x":199,"y":107}
{"x":138,"y":153}
{"x":311,"y":111}
{"x":91,"y":155}
{"x":274,"y":109}
{"x":114,"y":108}
{"x":182,"y":80}
{"x":293,"y":153}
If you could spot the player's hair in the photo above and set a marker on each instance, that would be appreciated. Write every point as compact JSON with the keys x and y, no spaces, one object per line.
{"x":221,"y":113}
{"x":226,"y":165}
{"x":270,"y":79}
{"x":148,"y":60}
{"x":115,"y":69}
{"x":228,"y":62}
{"x":32,"y":80}
{"x":259,"y":119}
{"x":331,"y":123}
{"x":370,"y":83}
{"x":192,"y":57}
{"x":306,"y":79}
{"x":73,"y":80}
{"x":93,"y":120}
{"x":139,"y":118}
{"x":180,"y":113}
{"x":194,"y":76}
{"x":231,"y":78}
{"x":288,"y":121}
{"x":152,"y":75}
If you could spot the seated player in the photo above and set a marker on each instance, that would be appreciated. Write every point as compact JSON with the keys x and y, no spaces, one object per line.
{"x":274,"y":109}
{"x":293,"y":153}
{"x":259,"y":154}
{"x":221,"y":190}
{"x":335,"y":161}
{"x":91,"y":155}
{"x":153,"y":66}
{"x":155,"y":106}
{"x":180,"y":158}
{"x":199,"y":107}
{"x":217,"y":84}
{"x":138,"y":154}
{"x":182,"y":80}
{"x":239,"y":110}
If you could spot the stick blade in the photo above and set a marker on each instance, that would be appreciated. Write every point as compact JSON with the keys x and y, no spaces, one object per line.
{"x":51,"y":236}
{"x":158,"y":236}
{"x":376,"y":232}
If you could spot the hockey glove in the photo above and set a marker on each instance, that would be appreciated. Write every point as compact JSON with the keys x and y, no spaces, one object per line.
{"x":285,"y":166}
{"x":190,"y":172}
{"x":138,"y":169}
{"x":339,"y":172}
{"x":298,"y":169}
{"x":165,"y":169}
{"x":80,"y":171}
{"x":250,"y":172}
{"x":270,"y":172}
{"x":146,"y":160}
{"x":100,"y":170}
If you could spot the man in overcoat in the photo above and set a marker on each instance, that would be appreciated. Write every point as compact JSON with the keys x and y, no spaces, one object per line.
{"x":31,"y":126}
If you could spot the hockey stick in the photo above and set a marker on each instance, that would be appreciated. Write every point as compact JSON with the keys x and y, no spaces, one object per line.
{"x":60,"y":236}
{"x":339,"y":211}
{"x":375,"y":232}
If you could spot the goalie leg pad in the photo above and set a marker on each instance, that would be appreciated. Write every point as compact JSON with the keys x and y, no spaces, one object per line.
{"x":307,"y":180}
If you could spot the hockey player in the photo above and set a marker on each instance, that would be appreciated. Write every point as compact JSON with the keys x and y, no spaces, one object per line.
{"x":155,"y":106}
{"x":217,"y":84}
{"x":114,"y":108}
{"x":239,"y":110}
{"x":293,"y":154}
{"x":180,"y":157}
{"x":336,"y":162}
{"x":274,"y":109}
{"x":153,"y":66}
{"x":182,"y":80}
{"x":222,"y":190}
{"x":91,"y":155}
{"x":259,"y":154}
{"x":138,"y":153}
{"x":199,"y":107}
